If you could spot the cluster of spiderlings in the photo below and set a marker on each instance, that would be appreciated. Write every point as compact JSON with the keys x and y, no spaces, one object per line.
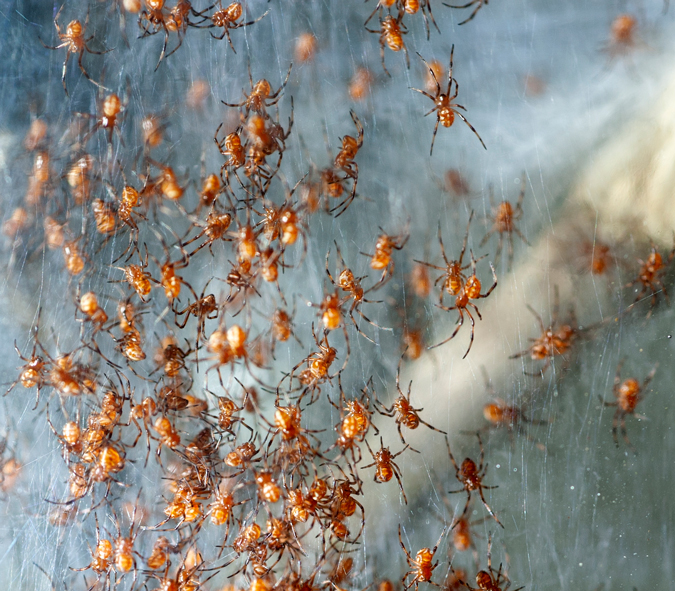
{"x":180,"y":380}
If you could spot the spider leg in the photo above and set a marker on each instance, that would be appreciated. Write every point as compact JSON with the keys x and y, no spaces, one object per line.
{"x":166,"y":41}
{"x":249,"y":23}
{"x":480,"y":490}
{"x":483,"y":242}
{"x":510,"y":260}
{"x":520,"y":234}
{"x":473,"y":14}
{"x":624,"y":434}
{"x":433,"y":137}
{"x":364,"y":335}
{"x":63,"y":73}
{"x":431,"y":16}
{"x":430,"y":426}
{"x":463,"y":5}
{"x":538,"y":317}
{"x":473,"y":328}
{"x":460,"y":322}
{"x":400,"y":484}
{"x":472,"y":128}
{"x":384,"y":67}
{"x":79,"y":63}
{"x":466,"y":508}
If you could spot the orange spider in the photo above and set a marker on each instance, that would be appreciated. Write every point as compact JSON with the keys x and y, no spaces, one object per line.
{"x":554,"y":340}
{"x":490,"y":580}
{"x":470,"y":291}
{"x":421,"y":566}
{"x":651,"y":277}
{"x":628,"y":394}
{"x":503,"y":220}
{"x":391,"y":33}
{"x":444,"y":105}
{"x":75,"y":43}
{"x":471,"y":478}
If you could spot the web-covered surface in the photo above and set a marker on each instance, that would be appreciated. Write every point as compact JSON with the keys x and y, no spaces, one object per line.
{"x":550,"y":89}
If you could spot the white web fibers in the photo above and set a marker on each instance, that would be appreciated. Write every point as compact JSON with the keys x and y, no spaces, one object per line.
{"x":577,"y":512}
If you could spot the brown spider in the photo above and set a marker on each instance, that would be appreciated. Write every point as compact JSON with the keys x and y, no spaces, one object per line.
{"x":628,"y":394}
{"x":226,"y":18}
{"x":453,"y":277}
{"x":414,"y":6}
{"x":421,"y":566}
{"x":651,"y":277}
{"x":112,"y":109}
{"x":503,"y":220}
{"x":154,"y":19}
{"x":463,"y":303}
{"x":102,"y":558}
{"x":554,"y":340}
{"x":383,"y":260}
{"x":444,"y":104}
{"x":352,"y":285}
{"x":344,"y":162}
{"x":215,"y":227}
{"x":501,"y":415}
{"x":391,"y":33}
{"x":489,"y":580}
{"x":261,"y":96}
{"x":479,"y":4}
{"x":35,"y":371}
{"x":203,"y":309}
{"x":402,"y":410}
{"x":317,"y":371}
{"x":623,"y":37}
{"x":75,"y":43}
{"x":385,"y":467}
{"x":471,"y":478}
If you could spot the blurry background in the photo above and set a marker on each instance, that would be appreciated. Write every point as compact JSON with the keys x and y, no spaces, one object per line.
{"x":585,"y":114}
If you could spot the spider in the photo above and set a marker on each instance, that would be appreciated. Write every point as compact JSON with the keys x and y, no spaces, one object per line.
{"x":453,"y":277}
{"x":402,"y":410}
{"x":352,"y":285}
{"x":153,"y":19}
{"x":317,"y":370}
{"x":385,"y":467}
{"x":213,"y":228}
{"x":554,"y":340}
{"x":205,"y":308}
{"x":414,"y":6}
{"x":471,"y":478}
{"x":261,"y":96}
{"x":489,"y":580}
{"x":391,"y":34}
{"x":503,"y":220}
{"x":470,"y":291}
{"x":421,"y":566}
{"x":479,"y":4}
{"x":382,"y":260}
{"x":651,"y":277}
{"x":35,"y":371}
{"x":623,"y":36}
{"x":500,"y":414}
{"x":444,"y":104}
{"x":226,"y":18}
{"x":628,"y":394}
{"x":137,"y":277}
{"x":344,"y":162}
{"x":112,"y":110}
{"x":102,"y":557}
{"x":75,"y":43}
{"x":354,"y":422}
